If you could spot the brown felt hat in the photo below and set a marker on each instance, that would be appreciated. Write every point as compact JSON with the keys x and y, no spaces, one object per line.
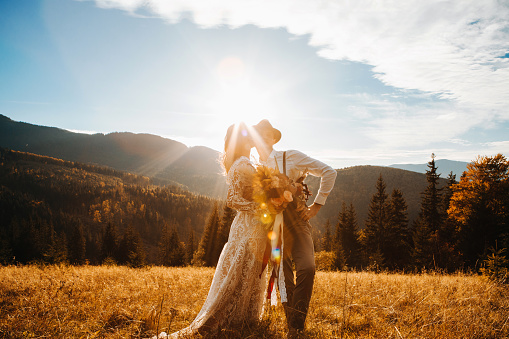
{"x":265,"y":125}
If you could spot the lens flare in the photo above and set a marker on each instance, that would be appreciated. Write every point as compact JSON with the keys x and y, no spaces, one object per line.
{"x":272,"y":235}
{"x":276,"y":254}
{"x":266,"y":218}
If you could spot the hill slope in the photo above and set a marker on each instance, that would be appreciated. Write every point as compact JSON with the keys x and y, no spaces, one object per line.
{"x":41,"y":195}
{"x":169,"y":161}
{"x":356,"y":185}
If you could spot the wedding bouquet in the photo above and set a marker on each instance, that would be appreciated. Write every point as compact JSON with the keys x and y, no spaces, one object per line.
{"x":274,"y":191}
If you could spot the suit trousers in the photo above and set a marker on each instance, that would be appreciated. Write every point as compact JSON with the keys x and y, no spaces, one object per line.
{"x":299,"y":250}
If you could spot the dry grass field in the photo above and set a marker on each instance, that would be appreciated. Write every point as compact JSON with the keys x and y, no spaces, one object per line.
{"x":120,"y":302}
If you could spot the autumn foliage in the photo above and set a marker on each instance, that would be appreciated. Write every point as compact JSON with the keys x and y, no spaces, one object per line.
{"x":480,"y":207}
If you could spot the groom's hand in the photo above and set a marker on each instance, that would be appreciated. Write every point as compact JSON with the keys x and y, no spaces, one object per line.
{"x":312,"y":211}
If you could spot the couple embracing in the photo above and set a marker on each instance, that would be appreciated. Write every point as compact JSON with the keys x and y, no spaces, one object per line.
{"x":237,"y":293}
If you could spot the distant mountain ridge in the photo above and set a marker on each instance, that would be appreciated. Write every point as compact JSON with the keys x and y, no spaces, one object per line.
{"x":444,"y":167}
{"x":197,"y":169}
{"x":145,"y":154}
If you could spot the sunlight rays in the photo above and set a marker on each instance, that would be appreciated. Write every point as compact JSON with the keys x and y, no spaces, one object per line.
{"x":238,"y":96}
{"x":257,"y":140}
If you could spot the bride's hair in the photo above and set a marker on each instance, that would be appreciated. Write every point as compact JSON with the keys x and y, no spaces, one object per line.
{"x":236,"y":137}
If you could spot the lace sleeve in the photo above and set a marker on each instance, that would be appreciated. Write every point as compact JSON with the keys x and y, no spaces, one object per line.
{"x":240,"y":190}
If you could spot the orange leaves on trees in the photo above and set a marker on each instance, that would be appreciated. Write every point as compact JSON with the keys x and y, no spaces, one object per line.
{"x":484,"y":184}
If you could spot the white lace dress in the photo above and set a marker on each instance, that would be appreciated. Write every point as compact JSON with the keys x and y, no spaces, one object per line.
{"x":237,"y":293}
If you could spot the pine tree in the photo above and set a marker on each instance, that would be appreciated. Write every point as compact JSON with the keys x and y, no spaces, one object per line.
{"x":164,"y":246}
{"x":327,"y":238}
{"x":43,"y":237}
{"x":349,"y":237}
{"x":130,"y":249}
{"x":178,"y":254}
{"x":422,"y":252}
{"x":447,"y":191}
{"x":55,"y":251}
{"x":190,"y":247}
{"x":376,"y":261}
{"x":77,"y":245}
{"x":6,"y":254}
{"x":376,"y":223}
{"x":432,"y":199}
{"x":339,"y":226}
{"x":199,"y":257}
{"x":203,"y":255}
{"x":447,"y":232}
{"x":398,"y":247}
{"x":222,"y":233}
{"x":496,"y":265}
{"x":339,"y":257}
{"x":171,"y":250}
{"x":427,"y":240}
{"x":109,"y":247}
{"x":93,"y":248}
{"x":211,"y":244}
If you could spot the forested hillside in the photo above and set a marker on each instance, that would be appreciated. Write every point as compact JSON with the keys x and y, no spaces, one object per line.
{"x":355,"y":185}
{"x":59,"y":210}
{"x":170,"y":162}
{"x":197,"y":169}
{"x":48,"y":204}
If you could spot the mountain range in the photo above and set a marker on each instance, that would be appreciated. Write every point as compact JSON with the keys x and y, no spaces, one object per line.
{"x":169,"y":162}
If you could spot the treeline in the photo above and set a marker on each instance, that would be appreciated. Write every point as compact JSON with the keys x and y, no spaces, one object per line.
{"x":59,"y":211}
{"x":462,"y":225}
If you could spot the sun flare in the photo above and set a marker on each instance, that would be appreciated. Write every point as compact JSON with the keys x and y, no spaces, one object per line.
{"x":237,"y":97}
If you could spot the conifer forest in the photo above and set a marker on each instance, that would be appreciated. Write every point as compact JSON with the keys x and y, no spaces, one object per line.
{"x":56,"y":211}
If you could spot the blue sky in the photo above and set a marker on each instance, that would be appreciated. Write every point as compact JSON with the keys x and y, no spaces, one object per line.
{"x":350,"y":83}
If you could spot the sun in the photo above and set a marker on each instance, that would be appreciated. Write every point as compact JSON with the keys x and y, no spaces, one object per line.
{"x":230,"y":69}
{"x":241,"y":103}
{"x":238,"y":98}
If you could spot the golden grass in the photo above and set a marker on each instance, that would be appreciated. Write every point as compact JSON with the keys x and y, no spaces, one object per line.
{"x":121,"y":302}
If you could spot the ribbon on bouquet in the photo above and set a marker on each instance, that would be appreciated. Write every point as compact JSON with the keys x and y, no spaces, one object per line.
{"x":276,"y":255}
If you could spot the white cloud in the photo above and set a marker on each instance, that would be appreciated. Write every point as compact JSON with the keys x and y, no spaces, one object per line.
{"x":126,"y":5}
{"x":396,"y":124}
{"x":503,"y":144}
{"x":460,"y":142}
{"x":379,"y":155}
{"x":497,"y":147}
{"x":450,"y":48}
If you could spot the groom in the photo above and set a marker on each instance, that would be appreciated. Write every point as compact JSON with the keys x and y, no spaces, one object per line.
{"x":298,"y":243}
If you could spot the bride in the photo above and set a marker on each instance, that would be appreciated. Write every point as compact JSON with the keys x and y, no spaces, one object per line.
{"x":236,"y":295}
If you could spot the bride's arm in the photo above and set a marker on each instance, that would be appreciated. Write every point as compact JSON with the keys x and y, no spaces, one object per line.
{"x":239,"y":189}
